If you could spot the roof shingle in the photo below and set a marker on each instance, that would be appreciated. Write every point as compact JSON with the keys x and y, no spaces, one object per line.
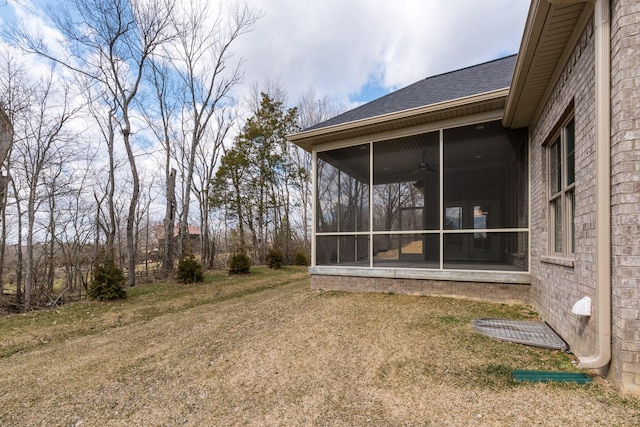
{"x":477,"y":79}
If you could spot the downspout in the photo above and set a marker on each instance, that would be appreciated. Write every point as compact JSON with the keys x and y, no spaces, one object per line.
{"x":602,"y":26}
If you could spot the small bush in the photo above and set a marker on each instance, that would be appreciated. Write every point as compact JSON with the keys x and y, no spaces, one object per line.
{"x":108,"y":281}
{"x":300,"y":258}
{"x":275,"y":258}
{"x":189,"y":270}
{"x":240,"y":263}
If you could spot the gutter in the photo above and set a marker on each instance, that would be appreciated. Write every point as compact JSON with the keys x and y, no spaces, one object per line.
{"x":602,"y":25}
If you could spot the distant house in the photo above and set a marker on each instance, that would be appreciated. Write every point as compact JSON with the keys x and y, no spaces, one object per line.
{"x":194,"y":237}
{"x":516,"y":180}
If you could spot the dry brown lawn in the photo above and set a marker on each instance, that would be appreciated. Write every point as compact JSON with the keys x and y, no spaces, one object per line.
{"x":266,"y":350}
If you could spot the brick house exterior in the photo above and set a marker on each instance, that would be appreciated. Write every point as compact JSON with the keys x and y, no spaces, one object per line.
{"x":625,"y":193}
{"x":575,"y":89}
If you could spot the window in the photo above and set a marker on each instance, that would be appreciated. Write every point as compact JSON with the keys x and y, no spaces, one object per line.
{"x":561,"y":157}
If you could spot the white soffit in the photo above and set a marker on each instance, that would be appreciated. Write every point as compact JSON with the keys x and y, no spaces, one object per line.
{"x":549,"y":38}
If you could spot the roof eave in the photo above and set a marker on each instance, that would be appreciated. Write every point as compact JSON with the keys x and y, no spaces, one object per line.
{"x":524,"y":102}
{"x":307,"y":139}
{"x":530,"y":38}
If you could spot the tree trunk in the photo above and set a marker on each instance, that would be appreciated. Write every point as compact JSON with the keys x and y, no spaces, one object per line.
{"x":18,"y":246}
{"x":184,"y":245}
{"x":6,"y":140}
{"x":261,"y":205}
{"x":239,"y":209}
{"x":169,"y":221}
{"x":50,"y":264}
{"x":111,"y":232}
{"x":28,"y":273}
{"x":3,"y":228}
{"x":19,"y":265}
{"x":6,"y":135}
{"x":133,"y":205}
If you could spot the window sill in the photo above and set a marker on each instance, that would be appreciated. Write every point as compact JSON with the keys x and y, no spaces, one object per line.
{"x":565,"y":262}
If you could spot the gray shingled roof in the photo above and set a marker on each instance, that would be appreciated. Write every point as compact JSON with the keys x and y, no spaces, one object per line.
{"x":486,"y":77}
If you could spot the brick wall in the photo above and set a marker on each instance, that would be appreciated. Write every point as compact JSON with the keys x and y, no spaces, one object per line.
{"x":556,"y":284}
{"x":625,"y":193}
{"x":491,"y":292}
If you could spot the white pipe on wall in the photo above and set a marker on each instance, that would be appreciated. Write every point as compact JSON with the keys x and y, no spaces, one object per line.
{"x":602,"y":24}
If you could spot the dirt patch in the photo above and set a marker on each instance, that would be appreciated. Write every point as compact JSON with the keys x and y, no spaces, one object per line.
{"x":286,"y":355}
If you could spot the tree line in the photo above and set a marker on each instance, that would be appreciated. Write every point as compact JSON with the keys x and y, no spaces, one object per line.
{"x":135,"y":107}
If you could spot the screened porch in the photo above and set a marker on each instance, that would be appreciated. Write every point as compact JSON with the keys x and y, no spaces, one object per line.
{"x":449,"y":199}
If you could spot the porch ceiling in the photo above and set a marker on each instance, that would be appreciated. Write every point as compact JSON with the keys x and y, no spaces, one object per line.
{"x":400,"y":159}
{"x":416,"y":157}
{"x":550,"y":35}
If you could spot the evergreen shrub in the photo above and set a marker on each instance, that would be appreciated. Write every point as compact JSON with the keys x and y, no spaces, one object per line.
{"x":108,"y":280}
{"x":189,"y":270}
{"x":300,"y":258}
{"x":240,"y":263}
{"x":275,"y":258}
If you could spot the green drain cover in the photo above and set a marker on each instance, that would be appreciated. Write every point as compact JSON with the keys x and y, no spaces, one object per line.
{"x":543,"y":376}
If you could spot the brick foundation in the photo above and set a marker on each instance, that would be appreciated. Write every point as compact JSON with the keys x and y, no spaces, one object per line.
{"x":489,"y":292}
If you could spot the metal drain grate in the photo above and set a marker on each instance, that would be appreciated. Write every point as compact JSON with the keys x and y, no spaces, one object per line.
{"x":555,"y":377}
{"x":527,"y":332}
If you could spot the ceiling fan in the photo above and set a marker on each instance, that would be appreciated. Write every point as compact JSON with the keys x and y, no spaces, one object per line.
{"x":424,"y":166}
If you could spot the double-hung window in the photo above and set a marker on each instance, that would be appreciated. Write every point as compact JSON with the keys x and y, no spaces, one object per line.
{"x":561,"y":160}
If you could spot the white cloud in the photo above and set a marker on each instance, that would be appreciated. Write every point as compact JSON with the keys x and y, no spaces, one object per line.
{"x":338,"y":46}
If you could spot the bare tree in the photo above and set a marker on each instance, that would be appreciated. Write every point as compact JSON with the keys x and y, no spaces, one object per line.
{"x":75,"y":225}
{"x":201,"y":59}
{"x":160,"y":120}
{"x":17,"y":194}
{"x":103,"y":109}
{"x":311,"y":111}
{"x":110,"y":41}
{"x":41,"y":142}
{"x":205,"y":166}
{"x":14,"y":94}
{"x":6,"y":139}
{"x":142,"y":217}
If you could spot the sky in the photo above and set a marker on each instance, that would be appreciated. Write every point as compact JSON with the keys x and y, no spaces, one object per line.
{"x":354,"y":51}
{"x":357,"y":50}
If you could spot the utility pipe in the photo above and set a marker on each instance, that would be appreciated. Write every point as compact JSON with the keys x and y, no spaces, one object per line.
{"x":602,"y":26}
